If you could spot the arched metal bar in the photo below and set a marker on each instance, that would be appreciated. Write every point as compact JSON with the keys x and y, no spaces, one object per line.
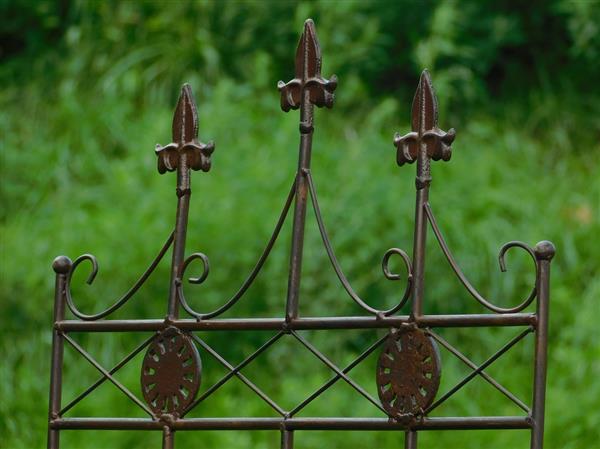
{"x":93,"y":274}
{"x":463,"y":279}
{"x":384,"y":264}
{"x":235,"y":298}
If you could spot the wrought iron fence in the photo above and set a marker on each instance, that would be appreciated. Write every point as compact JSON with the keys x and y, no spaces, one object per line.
{"x":409,"y":365}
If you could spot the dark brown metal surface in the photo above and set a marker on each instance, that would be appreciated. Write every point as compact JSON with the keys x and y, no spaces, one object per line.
{"x":426,"y":138}
{"x":185,"y":138}
{"x":306,"y":90}
{"x":409,"y":367}
{"x":408,"y":372}
{"x":171,"y":373}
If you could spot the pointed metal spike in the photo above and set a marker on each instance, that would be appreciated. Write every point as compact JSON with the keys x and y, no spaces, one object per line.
{"x":307,"y":75}
{"x":313,"y":50}
{"x":308,"y":53}
{"x":185,"y":119}
{"x":185,"y":139}
{"x":424,"y":107}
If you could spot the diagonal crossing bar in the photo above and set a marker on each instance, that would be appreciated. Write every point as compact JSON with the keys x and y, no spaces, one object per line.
{"x":337,"y":377}
{"x":106,"y":374}
{"x":479,"y":369}
{"x":233,"y":372}
{"x":483,"y":374}
{"x":100,"y":381}
{"x":338,"y":371}
{"x":239,"y":375}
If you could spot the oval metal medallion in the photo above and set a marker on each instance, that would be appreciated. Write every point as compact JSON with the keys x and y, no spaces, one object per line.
{"x":408,"y":372}
{"x":171,"y":373}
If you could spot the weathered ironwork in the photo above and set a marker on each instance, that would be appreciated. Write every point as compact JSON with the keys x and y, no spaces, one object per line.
{"x":171,"y":373}
{"x":409,"y":366}
{"x":408,"y":372}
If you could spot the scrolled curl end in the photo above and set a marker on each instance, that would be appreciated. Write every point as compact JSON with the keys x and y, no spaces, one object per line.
{"x":94,"y":263}
{"x":193,"y":280}
{"x":205,"y":268}
{"x":513,"y":244}
{"x":386,"y":260}
{"x":396,"y":277}
{"x":501,"y":259}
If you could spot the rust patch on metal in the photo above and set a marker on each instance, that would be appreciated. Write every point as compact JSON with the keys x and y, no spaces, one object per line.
{"x":425,"y":132}
{"x":171,"y":373}
{"x":408,"y":372}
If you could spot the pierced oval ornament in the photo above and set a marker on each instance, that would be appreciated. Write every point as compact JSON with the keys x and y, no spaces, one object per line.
{"x":171,"y":373}
{"x":408,"y":372}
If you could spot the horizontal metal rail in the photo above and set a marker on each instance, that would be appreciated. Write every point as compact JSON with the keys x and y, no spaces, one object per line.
{"x":316,"y":323}
{"x":451,"y":423}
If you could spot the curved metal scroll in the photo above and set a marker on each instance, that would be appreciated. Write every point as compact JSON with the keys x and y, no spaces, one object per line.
{"x":206,"y":267}
{"x":121,"y":301}
{"x":503,"y":250}
{"x":384,"y":263}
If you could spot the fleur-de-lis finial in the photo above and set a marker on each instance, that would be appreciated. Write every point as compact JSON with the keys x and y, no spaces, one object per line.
{"x":185,"y":138}
{"x":425,"y":138}
{"x":308,"y":75}
{"x":307,"y":90}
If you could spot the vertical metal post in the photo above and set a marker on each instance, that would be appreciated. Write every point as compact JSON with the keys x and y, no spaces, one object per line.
{"x":183,"y":154}
{"x":424,"y":143}
{"x":421,"y":116}
{"x":61,"y":266}
{"x":307,"y":90}
{"x":168,"y":438}
{"x":306,"y":129}
{"x":544,"y":252}
{"x":287,"y":439}
{"x":410,"y":439}
{"x":420,"y":239}
{"x":183,"y":206}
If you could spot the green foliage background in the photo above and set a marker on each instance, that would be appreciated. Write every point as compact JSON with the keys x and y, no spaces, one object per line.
{"x":88,"y":88}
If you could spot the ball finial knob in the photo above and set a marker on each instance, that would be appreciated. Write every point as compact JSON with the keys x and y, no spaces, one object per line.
{"x":545,"y":250}
{"x":62,"y":265}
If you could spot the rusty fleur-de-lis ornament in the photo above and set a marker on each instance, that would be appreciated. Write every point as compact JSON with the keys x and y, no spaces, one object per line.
{"x":426,"y":141}
{"x":186,"y":151}
{"x":184,"y":154}
{"x":305,"y":91}
{"x":308,"y":75}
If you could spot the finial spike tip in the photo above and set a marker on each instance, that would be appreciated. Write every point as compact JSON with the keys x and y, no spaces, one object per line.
{"x":424,"y":121}
{"x":185,"y":119}
{"x":424,"y":108}
{"x":309,"y":27}
{"x":308,"y":53}
{"x":185,"y":138}
{"x":308,"y":69}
